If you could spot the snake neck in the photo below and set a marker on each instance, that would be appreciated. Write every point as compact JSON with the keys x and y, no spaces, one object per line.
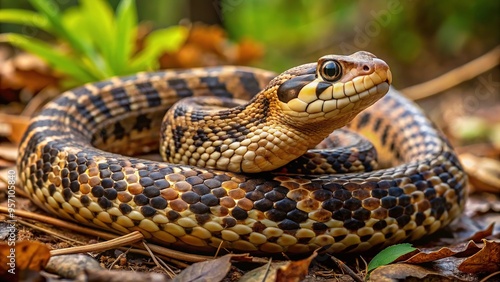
{"x":237,"y":136}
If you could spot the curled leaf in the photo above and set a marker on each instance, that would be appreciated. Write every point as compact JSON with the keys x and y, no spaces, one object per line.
{"x":463,"y":249}
{"x":210,"y":271}
{"x":23,"y":255}
{"x":408,"y":272}
{"x":294,"y":270}
{"x":486,"y":260}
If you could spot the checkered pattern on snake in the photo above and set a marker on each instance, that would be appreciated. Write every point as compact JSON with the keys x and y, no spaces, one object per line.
{"x":245,"y":179}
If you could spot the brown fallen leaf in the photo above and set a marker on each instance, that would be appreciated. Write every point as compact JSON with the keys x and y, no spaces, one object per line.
{"x":482,"y":203}
{"x":211,"y":270}
{"x":481,"y":234}
{"x":13,"y":126}
{"x":279,"y":271}
{"x":484,"y":173}
{"x":467,"y":228}
{"x":487,"y":260}
{"x":404,"y":272}
{"x":8,"y":152}
{"x":264,"y":273}
{"x":431,"y":254}
{"x":294,"y":271}
{"x":209,"y":45}
{"x":24,"y":255}
{"x":25,"y":70}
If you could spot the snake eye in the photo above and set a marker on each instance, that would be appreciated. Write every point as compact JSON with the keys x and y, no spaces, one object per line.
{"x":331,"y":71}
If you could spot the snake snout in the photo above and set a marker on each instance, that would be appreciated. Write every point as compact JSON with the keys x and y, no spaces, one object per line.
{"x":381,"y":67}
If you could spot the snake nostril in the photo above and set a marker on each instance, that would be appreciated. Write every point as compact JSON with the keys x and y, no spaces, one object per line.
{"x":366,"y":68}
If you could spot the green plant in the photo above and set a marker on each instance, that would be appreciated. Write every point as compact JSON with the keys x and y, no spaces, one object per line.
{"x":388,"y":255}
{"x":100,"y":43}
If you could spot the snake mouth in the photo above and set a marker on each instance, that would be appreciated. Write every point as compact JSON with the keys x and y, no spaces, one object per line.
{"x":340,"y":97}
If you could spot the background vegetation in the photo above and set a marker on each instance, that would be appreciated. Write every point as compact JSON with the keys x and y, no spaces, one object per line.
{"x":419,"y":39}
{"x":70,"y":42}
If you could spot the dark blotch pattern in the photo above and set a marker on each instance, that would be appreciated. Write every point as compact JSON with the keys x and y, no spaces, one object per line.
{"x":291,"y":88}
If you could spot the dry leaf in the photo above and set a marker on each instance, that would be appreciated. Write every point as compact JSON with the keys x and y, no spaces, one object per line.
{"x":294,"y":271}
{"x":482,"y":204}
{"x":484,"y":173}
{"x":211,"y":271}
{"x":9,"y":152}
{"x":208,"y":45}
{"x":481,"y":234}
{"x":403,"y":272}
{"x":264,"y":273}
{"x":247,"y":51}
{"x":280,"y":271}
{"x":26,"y":71}
{"x":487,"y":260}
{"x":467,"y":228}
{"x":24,"y":255}
{"x":13,"y":126}
{"x":428,"y":255}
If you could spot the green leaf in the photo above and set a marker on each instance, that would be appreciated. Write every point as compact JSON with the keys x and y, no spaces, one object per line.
{"x":100,"y":24}
{"x":24,"y":17}
{"x":47,"y":52}
{"x":126,"y":30}
{"x":74,"y":21}
{"x":50,"y":10}
{"x":159,"y":41}
{"x":389,"y":255}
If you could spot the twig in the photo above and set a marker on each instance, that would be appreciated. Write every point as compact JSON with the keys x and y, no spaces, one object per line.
{"x":166,"y":265}
{"x":218,"y":249}
{"x":127,"y":239}
{"x":169,"y":271}
{"x":61,"y":223}
{"x":366,"y":265}
{"x":50,"y":232}
{"x":164,"y":257}
{"x":455,"y":76}
{"x":485,"y":279}
{"x":118,"y":258}
{"x":176,"y":254}
{"x":345,"y":268}
{"x":268,"y":269}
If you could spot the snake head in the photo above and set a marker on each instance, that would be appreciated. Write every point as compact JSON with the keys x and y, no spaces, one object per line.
{"x":335,"y":89}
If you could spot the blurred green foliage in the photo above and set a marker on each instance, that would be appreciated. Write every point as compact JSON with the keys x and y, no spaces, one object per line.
{"x":420,"y":34}
{"x":99,"y":43}
{"x":411,"y":36}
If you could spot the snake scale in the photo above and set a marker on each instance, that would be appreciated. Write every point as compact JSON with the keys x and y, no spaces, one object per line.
{"x":74,"y":159}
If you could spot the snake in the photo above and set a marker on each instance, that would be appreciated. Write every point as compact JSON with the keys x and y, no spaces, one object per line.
{"x":242,"y":168}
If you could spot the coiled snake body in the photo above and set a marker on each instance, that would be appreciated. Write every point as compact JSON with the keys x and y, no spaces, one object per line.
{"x":72,"y":160}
